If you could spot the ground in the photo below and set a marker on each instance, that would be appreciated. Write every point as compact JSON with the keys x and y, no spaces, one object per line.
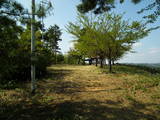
{"x":72,"y":92}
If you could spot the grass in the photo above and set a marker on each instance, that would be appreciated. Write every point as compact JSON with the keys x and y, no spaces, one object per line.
{"x":86,"y":93}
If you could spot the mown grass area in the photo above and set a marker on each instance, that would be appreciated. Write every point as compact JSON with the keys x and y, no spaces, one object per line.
{"x":139,"y":78}
{"x":86,"y":93}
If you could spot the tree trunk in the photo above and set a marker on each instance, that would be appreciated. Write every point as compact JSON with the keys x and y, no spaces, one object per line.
{"x":113,"y":62}
{"x":110,"y":65}
{"x":96,"y":62}
{"x":84,"y":61}
{"x":101,"y":63}
{"x":79,"y":61}
{"x":110,"y":61}
{"x":55,"y":57}
{"x":90,"y":62}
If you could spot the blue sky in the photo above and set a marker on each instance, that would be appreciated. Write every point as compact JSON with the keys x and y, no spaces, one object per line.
{"x":147,"y":49}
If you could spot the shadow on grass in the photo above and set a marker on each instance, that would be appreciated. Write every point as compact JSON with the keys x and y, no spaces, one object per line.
{"x":55,"y":82}
{"x":57,"y":74}
{"x":52,"y":74}
{"x":30,"y":108}
{"x":82,"y":110}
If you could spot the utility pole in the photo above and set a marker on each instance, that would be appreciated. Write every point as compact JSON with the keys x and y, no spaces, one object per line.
{"x":33,"y":72}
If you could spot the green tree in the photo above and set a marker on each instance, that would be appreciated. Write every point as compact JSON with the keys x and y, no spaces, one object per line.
{"x":11,"y":8}
{"x":106,"y":36}
{"x":9,"y":33}
{"x":76,"y":56}
{"x":51,"y":38}
{"x":60,"y":58}
{"x":15,"y":46}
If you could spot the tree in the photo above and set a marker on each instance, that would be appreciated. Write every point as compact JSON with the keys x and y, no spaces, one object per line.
{"x":60,"y":58}
{"x":15,"y":46}
{"x":51,"y":38}
{"x":106,"y":36}
{"x":9,"y":33}
{"x":98,"y":6}
{"x":155,"y":8}
{"x":11,"y":9}
{"x":15,"y":53}
{"x":76,"y":55}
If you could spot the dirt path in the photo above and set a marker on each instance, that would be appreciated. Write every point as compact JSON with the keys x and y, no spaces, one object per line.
{"x":82,"y":83}
{"x":80,"y":93}
{"x":88,"y":92}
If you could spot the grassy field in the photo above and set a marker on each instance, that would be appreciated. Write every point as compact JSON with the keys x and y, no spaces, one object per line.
{"x":86,"y":93}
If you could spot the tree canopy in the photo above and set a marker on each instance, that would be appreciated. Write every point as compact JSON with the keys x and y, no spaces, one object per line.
{"x":99,"y":6}
{"x":15,"y":44}
{"x":106,"y":36}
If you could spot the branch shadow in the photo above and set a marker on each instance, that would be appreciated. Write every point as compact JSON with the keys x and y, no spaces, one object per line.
{"x":57,"y":74}
{"x":30,"y":108}
{"x":76,"y":110}
{"x":56,"y":82}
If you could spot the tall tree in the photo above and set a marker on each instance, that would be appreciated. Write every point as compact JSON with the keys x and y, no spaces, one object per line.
{"x":15,"y":44}
{"x":52,"y":37}
{"x":106,"y":36}
{"x":9,"y":33}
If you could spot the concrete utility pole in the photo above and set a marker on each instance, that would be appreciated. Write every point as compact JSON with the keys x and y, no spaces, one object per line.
{"x":33,"y":80}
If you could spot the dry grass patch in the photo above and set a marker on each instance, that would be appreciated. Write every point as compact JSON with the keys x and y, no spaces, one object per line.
{"x":72,"y":92}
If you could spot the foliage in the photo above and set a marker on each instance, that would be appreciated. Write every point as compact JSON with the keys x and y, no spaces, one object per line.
{"x":52,"y":37}
{"x":74,"y":56}
{"x":106,"y":36}
{"x":11,"y":8}
{"x":101,"y":6}
{"x":98,"y":6}
{"x":9,"y":41}
{"x":60,"y":58}
{"x":44,"y":8}
{"x":153,"y":6}
{"x":16,"y":56}
{"x":15,"y":46}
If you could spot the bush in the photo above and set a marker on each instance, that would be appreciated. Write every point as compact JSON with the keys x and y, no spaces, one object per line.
{"x":18,"y":67}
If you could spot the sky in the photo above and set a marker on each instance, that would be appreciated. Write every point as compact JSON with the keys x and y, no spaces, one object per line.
{"x":147,"y":50}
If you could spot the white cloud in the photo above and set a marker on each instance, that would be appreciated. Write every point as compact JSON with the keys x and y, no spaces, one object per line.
{"x":151,"y":55}
{"x":154,"y":50}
